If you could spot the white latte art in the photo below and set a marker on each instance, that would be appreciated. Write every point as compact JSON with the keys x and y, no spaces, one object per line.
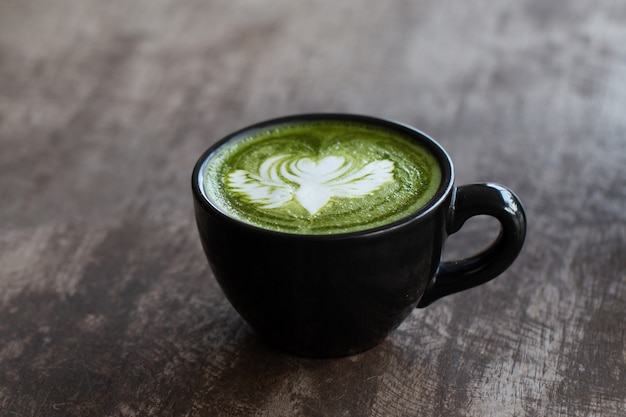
{"x":283,"y":178}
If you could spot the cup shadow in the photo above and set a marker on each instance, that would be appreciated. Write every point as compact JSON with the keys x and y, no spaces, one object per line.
{"x":247,"y":374}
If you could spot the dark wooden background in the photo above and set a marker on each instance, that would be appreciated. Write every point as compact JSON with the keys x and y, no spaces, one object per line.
{"x":107,"y":305}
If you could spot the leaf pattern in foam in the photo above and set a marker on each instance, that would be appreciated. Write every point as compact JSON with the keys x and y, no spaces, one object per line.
{"x":282,"y":178}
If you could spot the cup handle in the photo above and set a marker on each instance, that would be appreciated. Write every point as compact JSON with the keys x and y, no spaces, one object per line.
{"x":472,"y":200}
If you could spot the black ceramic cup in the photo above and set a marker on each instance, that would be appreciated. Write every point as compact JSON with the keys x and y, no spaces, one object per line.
{"x":340,"y":294}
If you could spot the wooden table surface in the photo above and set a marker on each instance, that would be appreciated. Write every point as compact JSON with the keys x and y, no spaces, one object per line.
{"x":107,"y":304}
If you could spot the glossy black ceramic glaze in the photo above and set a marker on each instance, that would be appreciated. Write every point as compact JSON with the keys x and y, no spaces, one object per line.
{"x":335,"y":295}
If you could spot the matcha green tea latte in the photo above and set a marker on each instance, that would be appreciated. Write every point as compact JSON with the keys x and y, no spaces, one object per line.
{"x":320,"y":177}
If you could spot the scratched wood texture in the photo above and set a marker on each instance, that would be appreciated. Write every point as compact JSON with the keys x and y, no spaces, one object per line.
{"x":107,"y":305}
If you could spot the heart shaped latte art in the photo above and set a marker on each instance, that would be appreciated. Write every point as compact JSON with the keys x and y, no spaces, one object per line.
{"x":311,"y":183}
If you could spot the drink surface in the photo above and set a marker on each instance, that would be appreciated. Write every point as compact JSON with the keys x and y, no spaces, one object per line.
{"x":320,"y":177}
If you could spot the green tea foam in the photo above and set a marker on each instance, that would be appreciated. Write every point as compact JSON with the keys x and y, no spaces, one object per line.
{"x":320,"y":177}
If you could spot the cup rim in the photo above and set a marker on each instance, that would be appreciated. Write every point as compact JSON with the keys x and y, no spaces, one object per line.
{"x":447,"y":173}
